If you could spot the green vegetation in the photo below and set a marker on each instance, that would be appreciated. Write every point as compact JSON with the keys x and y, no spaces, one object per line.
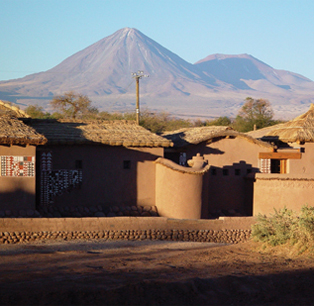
{"x":258,"y":113}
{"x":36,"y":112}
{"x":287,"y":226}
{"x":221,"y":121}
{"x":73,"y":105}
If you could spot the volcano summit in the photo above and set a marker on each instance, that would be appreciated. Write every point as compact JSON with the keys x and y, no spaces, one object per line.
{"x":214,"y":86}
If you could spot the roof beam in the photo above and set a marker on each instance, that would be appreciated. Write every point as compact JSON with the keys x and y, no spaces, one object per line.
{"x":280,"y":155}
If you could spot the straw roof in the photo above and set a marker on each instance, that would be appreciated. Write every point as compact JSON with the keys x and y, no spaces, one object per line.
{"x":300,"y":129}
{"x":10,"y":110}
{"x":194,"y":136}
{"x":112,"y":133}
{"x":15,"y":132}
{"x":260,"y":133}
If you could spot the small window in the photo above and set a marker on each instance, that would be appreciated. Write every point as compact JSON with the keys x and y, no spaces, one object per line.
{"x":78,"y":164}
{"x":237,"y":172}
{"x":248,"y":171}
{"x":275,"y":166}
{"x":213,"y":171}
{"x":126,"y":164}
{"x":225,"y":172}
{"x":278,"y":166}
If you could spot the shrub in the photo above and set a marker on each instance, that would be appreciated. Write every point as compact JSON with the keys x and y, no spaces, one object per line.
{"x":286,"y":226}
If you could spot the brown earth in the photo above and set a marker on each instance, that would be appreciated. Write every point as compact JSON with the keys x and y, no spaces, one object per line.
{"x":152,"y":273}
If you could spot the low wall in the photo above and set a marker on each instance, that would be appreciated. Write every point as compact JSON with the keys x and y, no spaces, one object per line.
{"x":224,"y":229}
{"x":282,"y":190}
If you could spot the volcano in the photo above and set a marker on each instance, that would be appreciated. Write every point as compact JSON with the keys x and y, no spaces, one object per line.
{"x":214,"y":86}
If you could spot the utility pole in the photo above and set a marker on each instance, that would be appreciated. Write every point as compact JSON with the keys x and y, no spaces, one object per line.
{"x":137,"y":76}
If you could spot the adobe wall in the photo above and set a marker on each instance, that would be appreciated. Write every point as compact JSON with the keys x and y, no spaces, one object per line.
{"x":224,"y":229}
{"x":106,"y":180}
{"x":229,"y":151}
{"x":17,"y":193}
{"x":305,"y":165}
{"x":231,"y":160}
{"x":179,"y":190}
{"x":282,"y":190}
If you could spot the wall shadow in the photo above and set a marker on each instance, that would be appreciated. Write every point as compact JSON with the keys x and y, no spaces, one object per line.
{"x":230,"y":190}
{"x":17,"y":203}
{"x":111,"y":176}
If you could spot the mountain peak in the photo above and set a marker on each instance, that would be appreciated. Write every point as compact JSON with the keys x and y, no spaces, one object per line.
{"x":220,"y":56}
{"x":215,"y":85}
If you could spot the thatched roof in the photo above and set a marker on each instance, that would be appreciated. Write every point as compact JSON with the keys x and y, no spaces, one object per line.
{"x":15,"y":132}
{"x":112,"y":133}
{"x":194,"y":136}
{"x":10,"y":110}
{"x":260,"y":133}
{"x":300,"y":129}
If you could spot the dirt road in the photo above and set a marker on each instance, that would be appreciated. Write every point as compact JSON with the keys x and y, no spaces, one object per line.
{"x":152,"y":273}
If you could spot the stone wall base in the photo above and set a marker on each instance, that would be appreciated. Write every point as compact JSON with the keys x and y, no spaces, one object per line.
{"x":218,"y":236}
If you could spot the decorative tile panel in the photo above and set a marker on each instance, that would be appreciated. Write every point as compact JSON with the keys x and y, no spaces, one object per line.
{"x":17,"y":166}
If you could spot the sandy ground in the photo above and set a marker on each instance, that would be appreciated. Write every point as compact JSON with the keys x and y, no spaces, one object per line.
{"x":152,"y":273}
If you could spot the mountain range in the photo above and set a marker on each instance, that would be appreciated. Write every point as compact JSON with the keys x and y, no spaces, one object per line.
{"x":214,"y":86}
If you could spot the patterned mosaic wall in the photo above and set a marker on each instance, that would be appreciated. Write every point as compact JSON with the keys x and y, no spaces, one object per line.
{"x":17,"y":166}
{"x":56,"y":182}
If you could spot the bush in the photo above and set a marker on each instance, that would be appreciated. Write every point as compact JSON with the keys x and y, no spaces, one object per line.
{"x":286,"y":226}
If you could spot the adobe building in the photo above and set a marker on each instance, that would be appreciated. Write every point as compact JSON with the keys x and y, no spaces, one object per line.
{"x":98,"y":162}
{"x":18,"y":144}
{"x":233,"y":160}
{"x":287,"y":175}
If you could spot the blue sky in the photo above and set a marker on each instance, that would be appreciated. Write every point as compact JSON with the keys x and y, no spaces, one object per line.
{"x":36,"y":35}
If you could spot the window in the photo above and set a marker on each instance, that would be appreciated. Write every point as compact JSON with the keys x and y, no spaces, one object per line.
{"x":278,"y":166}
{"x":78,"y":164}
{"x":213,"y":171}
{"x":225,"y":172}
{"x":276,"y":162}
{"x":237,"y":172}
{"x":126,"y":164}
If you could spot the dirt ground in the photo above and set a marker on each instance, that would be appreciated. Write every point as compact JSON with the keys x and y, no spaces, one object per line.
{"x":100,"y":272}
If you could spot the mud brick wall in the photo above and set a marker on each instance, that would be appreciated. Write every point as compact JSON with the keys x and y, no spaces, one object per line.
{"x":223,"y":230}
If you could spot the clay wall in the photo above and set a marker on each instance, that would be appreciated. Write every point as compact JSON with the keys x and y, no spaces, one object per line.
{"x":230,"y":187}
{"x":305,"y":165}
{"x":17,"y":193}
{"x":110,"y":175}
{"x":179,"y":190}
{"x":279,"y":191}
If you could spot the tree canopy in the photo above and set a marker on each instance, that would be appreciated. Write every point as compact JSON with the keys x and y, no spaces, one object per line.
{"x":36,"y":112}
{"x":73,"y":105}
{"x":221,"y":121}
{"x":254,"y":112}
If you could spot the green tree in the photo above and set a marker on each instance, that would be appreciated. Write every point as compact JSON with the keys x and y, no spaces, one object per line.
{"x":159,"y":122}
{"x":221,"y":121}
{"x":74,"y":105}
{"x":36,"y":112}
{"x":254,"y":112}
